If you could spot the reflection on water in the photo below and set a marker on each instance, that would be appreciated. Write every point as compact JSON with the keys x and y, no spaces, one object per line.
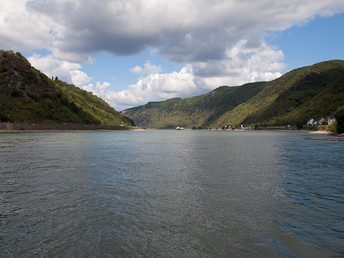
{"x":171,"y":193}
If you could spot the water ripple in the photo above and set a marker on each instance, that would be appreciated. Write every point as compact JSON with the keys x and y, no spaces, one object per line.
{"x":167,"y":193}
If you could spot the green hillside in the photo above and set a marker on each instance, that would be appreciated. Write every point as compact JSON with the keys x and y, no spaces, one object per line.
{"x":27,"y":95}
{"x":301,"y":94}
{"x":200,"y":111}
{"x":292,"y":99}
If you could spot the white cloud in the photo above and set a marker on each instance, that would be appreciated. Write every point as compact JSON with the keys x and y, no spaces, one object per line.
{"x":79,"y":78}
{"x":100,"y":90}
{"x":146,"y":70}
{"x":52,"y":66}
{"x":151,"y":69}
{"x":64,"y":70}
{"x":72,"y":57}
{"x":21,"y":30}
{"x":102,"y":87}
{"x":244,"y":62}
{"x":88,"y":87}
{"x":218,"y":42}
{"x":154,"y":87}
{"x":136,"y":70}
{"x":181,"y":30}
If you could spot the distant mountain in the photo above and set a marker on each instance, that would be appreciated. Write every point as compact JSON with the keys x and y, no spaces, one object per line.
{"x":304,"y":93}
{"x":27,"y":95}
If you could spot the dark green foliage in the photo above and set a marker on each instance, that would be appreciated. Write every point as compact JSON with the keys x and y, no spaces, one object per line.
{"x":339,"y":115}
{"x":4,"y":117}
{"x":16,"y":93}
{"x":4,"y":69}
{"x":289,"y":100}
{"x":28,"y":78}
{"x":230,"y":97}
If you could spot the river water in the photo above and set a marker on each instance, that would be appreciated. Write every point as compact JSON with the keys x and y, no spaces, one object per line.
{"x":171,"y":193}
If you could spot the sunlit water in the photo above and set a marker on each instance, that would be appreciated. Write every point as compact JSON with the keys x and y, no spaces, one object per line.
{"x":171,"y":193}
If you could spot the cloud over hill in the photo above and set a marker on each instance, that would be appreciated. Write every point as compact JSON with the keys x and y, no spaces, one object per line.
{"x":216,"y":42}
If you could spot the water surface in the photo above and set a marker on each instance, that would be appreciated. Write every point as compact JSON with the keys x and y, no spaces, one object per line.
{"x":171,"y":193}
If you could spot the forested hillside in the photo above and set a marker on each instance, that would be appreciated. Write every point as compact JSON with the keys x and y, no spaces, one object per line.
{"x":304,"y":93}
{"x":27,"y":95}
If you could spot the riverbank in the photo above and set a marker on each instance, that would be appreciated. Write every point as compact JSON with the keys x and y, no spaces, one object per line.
{"x":329,"y":139}
{"x":65,"y":127}
{"x":333,"y":136}
{"x":323,"y":132}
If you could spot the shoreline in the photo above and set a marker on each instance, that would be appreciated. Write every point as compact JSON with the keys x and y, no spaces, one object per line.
{"x":322,"y":132}
{"x":6,"y":127}
{"x":332,"y":139}
{"x":66,"y":131}
{"x":104,"y":129}
{"x":69,"y":130}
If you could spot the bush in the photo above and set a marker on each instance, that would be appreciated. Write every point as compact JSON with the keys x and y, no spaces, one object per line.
{"x":16,"y":93}
{"x":332,"y":128}
{"x":299,"y":124}
{"x":4,"y":117}
{"x":5,"y":69}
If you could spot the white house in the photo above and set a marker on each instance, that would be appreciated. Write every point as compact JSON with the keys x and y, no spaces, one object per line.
{"x":321,"y":121}
{"x":310,"y":122}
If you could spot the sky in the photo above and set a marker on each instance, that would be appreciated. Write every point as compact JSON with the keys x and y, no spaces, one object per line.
{"x":130,"y":52}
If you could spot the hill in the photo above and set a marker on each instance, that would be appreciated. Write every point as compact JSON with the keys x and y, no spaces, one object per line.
{"x":301,"y":94}
{"x":27,"y":95}
{"x":200,"y":111}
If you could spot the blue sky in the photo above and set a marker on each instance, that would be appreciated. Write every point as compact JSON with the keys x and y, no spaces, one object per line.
{"x":133,"y":52}
{"x":319,"y":40}
{"x":116,"y":69}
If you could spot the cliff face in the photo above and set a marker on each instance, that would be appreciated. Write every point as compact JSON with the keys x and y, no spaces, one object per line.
{"x":27,"y":95}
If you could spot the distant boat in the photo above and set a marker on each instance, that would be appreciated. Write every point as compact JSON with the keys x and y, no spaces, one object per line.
{"x":179,"y":128}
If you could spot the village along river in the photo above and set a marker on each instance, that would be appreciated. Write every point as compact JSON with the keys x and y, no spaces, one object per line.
{"x":171,"y":193}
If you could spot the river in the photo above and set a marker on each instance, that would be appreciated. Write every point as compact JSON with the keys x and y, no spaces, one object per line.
{"x":167,"y":193}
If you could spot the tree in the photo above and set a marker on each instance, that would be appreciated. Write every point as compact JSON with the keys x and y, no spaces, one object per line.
{"x":339,"y":115}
